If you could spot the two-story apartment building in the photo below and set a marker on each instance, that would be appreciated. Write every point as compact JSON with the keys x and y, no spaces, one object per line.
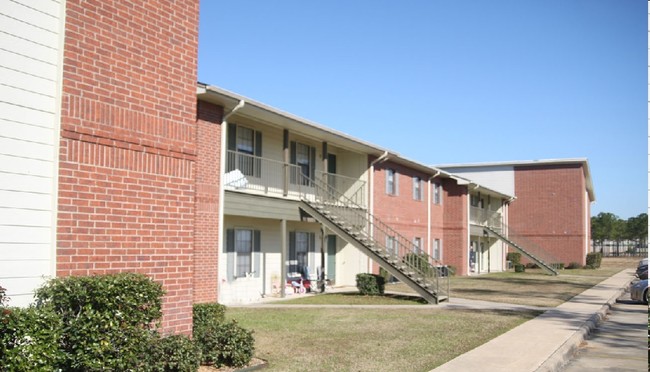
{"x":443,"y":214}
{"x":551,"y":209}
{"x":271,"y":161}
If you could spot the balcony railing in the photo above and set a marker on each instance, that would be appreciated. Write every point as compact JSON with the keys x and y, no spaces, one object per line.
{"x":263,"y":176}
{"x":485,"y":217}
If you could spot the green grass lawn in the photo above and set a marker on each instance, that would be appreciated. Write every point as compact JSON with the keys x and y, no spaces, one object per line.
{"x":532,"y":287}
{"x":362,"y":339}
{"x":417,"y":338}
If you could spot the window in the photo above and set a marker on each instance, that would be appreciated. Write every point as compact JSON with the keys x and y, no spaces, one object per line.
{"x":244,"y":250}
{"x":436,"y":249}
{"x":391,"y":245}
{"x":437,"y":193}
{"x":243,"y":253}
{"x":245,"y":150}
{"x":417,"y":245}
{"x":304,"y":156}
{"x":477,"y":201}
{"x":417,"y":188}
{"x":391,"y":182}
{"x":300,"y":245}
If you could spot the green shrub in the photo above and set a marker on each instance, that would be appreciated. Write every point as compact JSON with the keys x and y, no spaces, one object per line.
{"x":370,"y":284}
{"x":3,"y":297}
{"x":519,"y":268}
{"x":384,"y":274}
{"x":29,"y":339}
{"x":594,"y":259}
{"x":531,"y":265}
{"x":206,"y":314}
{"x":420,"y":263}
{"x":514,"y":257}
{"x":573,"y":265}
{"x":224,"y":344}
{"x":175,"y":353}
{"x":108,"y":320}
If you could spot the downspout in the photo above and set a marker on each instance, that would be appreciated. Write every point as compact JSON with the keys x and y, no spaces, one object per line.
{"x":430,"y":201}
{"x":222,"y":192}
{"x":371,"y":197}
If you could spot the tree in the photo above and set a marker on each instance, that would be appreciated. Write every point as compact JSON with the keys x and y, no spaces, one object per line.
{"x":637,"y":228}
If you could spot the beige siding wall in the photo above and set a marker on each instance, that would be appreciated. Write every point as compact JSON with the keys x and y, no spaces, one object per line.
{"x":30,"y":74}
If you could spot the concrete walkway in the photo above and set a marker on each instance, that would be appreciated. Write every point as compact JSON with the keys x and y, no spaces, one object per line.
{"x":619,"y":344}
{"x":547,"y":342}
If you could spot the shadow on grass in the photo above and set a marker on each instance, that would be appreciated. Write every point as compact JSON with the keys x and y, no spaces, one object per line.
{"x":393,"y":296}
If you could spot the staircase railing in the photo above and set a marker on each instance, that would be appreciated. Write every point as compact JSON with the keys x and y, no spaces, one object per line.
{"x":494,"y":223}
{"x":392,"y":247}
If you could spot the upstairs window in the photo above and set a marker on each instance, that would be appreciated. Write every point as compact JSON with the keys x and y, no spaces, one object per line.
{"x":417,"y":188}
{"x":437,"y":193}
{"x":244,"y":150}
{"x":304,"y":156}
{"x":391,"y":182}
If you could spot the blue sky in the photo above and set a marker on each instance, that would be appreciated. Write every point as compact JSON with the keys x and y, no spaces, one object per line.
{"x":452,"y":81}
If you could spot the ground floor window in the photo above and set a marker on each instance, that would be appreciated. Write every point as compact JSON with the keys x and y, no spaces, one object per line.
{"x":243,"y":251}
{"x":301,"y":243}
{"x":437,"y":249}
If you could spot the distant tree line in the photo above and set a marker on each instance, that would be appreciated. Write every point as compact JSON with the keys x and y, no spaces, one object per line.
{"x":608,"y":227}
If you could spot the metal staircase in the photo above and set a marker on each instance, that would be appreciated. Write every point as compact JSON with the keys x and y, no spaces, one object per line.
{"x":392,"y":251}
{"x":532,"y":251}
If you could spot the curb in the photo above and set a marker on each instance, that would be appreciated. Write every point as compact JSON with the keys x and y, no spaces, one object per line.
{"x":566,"y":351}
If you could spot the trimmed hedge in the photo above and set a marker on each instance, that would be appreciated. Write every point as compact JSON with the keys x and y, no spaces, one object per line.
{"x":514,"y":257}
{"x":29,"y":339}
{"x":594,"y":260}
{"x":519,"y":268}
{"x":204,"y":314}
{"x":175,"y":353}
{"x":108,"y":320}
{"x":370,"y":284}
{"x":220,"y":342}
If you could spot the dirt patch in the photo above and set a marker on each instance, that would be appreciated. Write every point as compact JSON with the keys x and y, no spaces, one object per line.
{"x":255,"y":364}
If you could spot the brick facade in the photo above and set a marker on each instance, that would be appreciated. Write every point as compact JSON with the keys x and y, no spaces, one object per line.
{"x":206,"y":229}
{"x":128,"y":145}
{"x":551,"y":209}
{"x":401,"y":211}
{"x":455,"y":226}
{"x":409,"y":217}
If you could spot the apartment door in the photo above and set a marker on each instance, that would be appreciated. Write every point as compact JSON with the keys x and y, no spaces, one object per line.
{"x":331,"y":257}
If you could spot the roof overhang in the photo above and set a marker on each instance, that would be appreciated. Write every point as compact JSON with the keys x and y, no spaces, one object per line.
{"x":268,"y":115}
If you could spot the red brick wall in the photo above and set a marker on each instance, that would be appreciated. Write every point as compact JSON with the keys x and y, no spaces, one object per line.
{"x":401,"y":212}
{"x":206,"y":229}
{"x":455,"y":244}
{"x":550,"y":209}
{"x":128,"y":151}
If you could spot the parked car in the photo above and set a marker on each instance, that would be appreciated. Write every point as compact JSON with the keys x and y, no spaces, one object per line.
{"x":639,"y":291}
{"x":642,"y":269}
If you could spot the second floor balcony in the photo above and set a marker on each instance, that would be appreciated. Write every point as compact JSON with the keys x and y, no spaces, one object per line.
{"x":262,"y":176}
{"x":485,"y":217}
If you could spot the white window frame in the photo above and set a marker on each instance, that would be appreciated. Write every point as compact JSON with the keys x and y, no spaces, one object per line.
{"x":417,"y":189}
{"x":417,"y":245}
{"x":437,"y":193}
{"x":247,"y":251}
{"x":392,"y":182}
{"x":436,"y":252}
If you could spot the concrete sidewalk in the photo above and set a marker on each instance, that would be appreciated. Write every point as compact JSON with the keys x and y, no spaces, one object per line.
{"x":548,"y":341}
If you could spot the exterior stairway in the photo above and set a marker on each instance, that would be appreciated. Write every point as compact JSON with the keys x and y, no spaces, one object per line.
{"x":532,"y":252}
{"x":391,"y":251}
